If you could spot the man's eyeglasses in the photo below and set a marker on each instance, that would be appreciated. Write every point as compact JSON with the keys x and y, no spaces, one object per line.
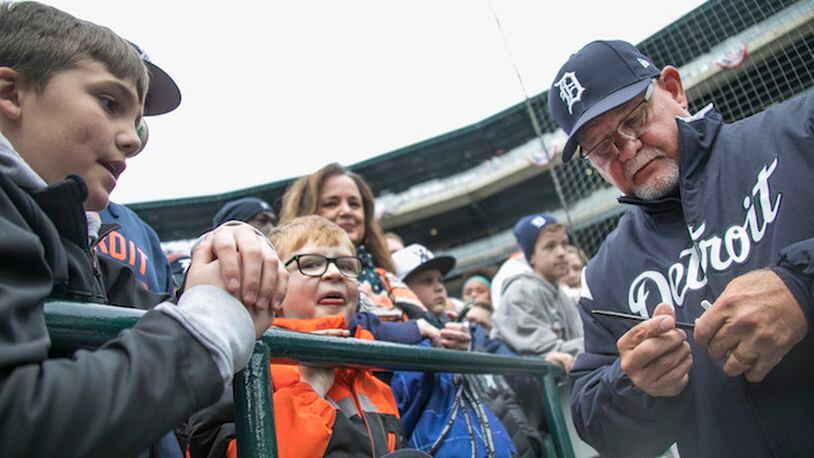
{"x":315,"y":265}
{"x":630,"y":128}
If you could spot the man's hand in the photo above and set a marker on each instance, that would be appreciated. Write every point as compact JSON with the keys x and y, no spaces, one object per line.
{"x":656,"y":355}
{"x":563,"y":359}
{"x":455,"y":336}
{"x":752,"y":325}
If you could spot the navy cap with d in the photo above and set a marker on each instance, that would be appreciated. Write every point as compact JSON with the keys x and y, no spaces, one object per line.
{"x":598,"y":78}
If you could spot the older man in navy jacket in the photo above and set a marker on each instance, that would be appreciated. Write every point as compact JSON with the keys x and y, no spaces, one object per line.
{"x":719,"y":214}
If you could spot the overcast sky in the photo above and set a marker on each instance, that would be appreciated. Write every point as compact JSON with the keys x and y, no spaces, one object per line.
{"x":273,"y":89}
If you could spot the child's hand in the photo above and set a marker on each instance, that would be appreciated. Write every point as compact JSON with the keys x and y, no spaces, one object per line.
{"x":456,"y":336}
{"x":321,"y":379}
{"x":428,"y":331}
{"x":563,"y":359}
{"x":249,"y":265}
{"x":332,"y":332}
{"x":206,"y":269}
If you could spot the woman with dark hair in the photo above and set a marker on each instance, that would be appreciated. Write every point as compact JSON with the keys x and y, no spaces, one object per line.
{"x":344,"y":197}
{"x":341,"y":196}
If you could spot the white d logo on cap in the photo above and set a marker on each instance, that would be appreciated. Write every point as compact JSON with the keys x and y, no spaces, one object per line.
{"x":538,"y":222}
{"x":570,"y":90}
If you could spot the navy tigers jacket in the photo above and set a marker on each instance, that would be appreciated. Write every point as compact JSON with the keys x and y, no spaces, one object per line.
{"x":745,"y":203}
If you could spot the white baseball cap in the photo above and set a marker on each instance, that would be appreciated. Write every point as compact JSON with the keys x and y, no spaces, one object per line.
{"x":418,"y":258}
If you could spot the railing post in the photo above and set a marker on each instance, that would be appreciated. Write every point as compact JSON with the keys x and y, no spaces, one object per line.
{"x":254,"y":407}
{"x":556,"y":420}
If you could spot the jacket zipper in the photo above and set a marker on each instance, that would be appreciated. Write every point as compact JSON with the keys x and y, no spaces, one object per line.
{"x":90,"y":251}
{"x":363,"y":417}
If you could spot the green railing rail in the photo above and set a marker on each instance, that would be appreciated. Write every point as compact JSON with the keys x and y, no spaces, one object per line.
{"x":79,"y":325}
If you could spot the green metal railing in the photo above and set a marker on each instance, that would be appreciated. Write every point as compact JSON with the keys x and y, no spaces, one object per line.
{"x":78,"y":325}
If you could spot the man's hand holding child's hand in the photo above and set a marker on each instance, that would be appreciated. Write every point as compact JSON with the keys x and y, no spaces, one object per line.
{"x":240,"y":260}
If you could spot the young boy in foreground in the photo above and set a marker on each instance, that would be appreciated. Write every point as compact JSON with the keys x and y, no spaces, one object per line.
{"x":71,"y":97}
{"x":325,"y":411}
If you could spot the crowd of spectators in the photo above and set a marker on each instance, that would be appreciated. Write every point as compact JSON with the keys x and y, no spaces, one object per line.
{"x":72,"y":100}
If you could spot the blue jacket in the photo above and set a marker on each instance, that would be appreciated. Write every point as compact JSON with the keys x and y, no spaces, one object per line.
{"x":745,"y":203}
{"x":136,"y":245}
{"x":426,"y":401}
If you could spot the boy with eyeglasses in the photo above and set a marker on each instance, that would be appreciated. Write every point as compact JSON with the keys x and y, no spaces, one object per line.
{"x":719,"y":213}
{"x":325,"y":411}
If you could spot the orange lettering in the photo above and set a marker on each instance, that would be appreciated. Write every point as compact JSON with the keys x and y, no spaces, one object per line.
{"x":132,"y":254}
{"x":143,"y":265}
{"x":101,"y":246}
{"x":118,"y":246}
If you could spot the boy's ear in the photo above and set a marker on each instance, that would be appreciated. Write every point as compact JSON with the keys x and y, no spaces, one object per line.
{"x":10,"y":94}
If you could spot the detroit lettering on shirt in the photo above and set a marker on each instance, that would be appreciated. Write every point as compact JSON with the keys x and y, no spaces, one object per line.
{"x":744,"y":202}
{"x":136,"y":245}
{"x":689,"y":272}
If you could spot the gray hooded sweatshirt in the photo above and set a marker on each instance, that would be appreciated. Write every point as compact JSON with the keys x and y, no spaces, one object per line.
{"x":536,"y":317}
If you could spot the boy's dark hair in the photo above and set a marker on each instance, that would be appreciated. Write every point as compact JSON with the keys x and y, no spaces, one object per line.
{"x":39,"y":41}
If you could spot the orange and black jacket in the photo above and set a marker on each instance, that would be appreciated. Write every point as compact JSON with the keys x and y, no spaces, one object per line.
{"x":358,"y":416}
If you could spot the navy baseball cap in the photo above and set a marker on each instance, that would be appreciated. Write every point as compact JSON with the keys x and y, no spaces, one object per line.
{"x":242,"y":209}
{"x":598,"y":78}
{"x":163,"y":94}
{"x":528,"y":228}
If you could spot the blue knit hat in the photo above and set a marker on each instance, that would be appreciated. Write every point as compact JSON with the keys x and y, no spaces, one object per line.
{"x":240,"y":210}
{"x":527,"y":230}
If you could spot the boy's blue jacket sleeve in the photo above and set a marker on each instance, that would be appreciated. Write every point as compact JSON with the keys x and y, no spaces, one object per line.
{"x":609,"y":410}
{"x":404,"y":332}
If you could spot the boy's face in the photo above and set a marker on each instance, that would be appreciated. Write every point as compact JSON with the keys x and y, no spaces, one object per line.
{"x":548,"y":259}
{"x":83,"y":122}
{"x":265,"y":222}
{"x":428,"y":286}
{"x":573,"y":276}
{"x":313,"y":297}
